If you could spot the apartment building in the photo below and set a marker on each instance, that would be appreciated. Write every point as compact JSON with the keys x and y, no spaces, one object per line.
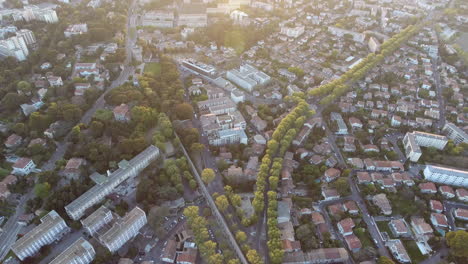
{"x":446,"y":175}
{"x":159,"y":18}
{"x":27,"y":35}
{"x":247,"y":77}
{"x":398,"y":251}
{"x":127,"y":169}
{"x":124,"y":230}
{"x":339,"y":32}
{"x":342,"y":128}
{"x":80,"y":252}
{"x":33,"y":12}
{"x":199,"y":68}
{"x":227,"y":137}
{"x":14,"y":47}
{"x":23,"y":166}
{"x":97,"y":220}
{"x":51,"y":228}
{"x":455,"y":133}
{"x":414,"y":140}
{"x":76,"y":29}
{"x":292,"y":32}
{"x":192,"y":15}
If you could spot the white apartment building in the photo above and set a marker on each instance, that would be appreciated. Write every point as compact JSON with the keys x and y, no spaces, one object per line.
{"x":192,"y":15}
{"x":412,"y":149}
{"x":342,"y":128}
{"x":77,"y":208}
{"x":124,"y":230}
{"x":14,"y":47}
{"x":32,"y":12}
{"x":227,"y":137}
{"x":430,"y":140}
{"x":51,"y":229}
{"x":247,"y":77}
{"x":455,"y":133}
{"x":292,"y":32}
{"x":159,"y":18}
{"x":412,"y":142}
{"x":199,"y":68}
{"x":27,"y":35}
{"x":446,"y":175}
{"x":76,"y":29}
{"x":23,"y":166}
{"x":358,"y":37}
{"x":80,"y":252}
{"x":97,"y":220}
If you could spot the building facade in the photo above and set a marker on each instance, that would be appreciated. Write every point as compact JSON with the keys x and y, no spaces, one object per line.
{"x":51,"y":228}
{"x":455,"y":133}
{"x":80,"y":252}
{"x":124,"y":230}
{"x":446,"y":175}
{"x":77,"y":208}
{"x":97,"y":220}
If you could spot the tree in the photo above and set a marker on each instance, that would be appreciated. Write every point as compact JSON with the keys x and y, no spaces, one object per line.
{"x":385,"y":260}
{"x":456,"y":240}
{"x":11,"y":101}
{"x":253,"y":257}
{"x":222,"y":202}
{"x":42,"y":190}
{"x":24,"y":87}
{"x":208,"y":175}
{"x":197,"y":147}
{"x":241,"y":237}
{"x":184,"y":111}
{"x":341,"y":185}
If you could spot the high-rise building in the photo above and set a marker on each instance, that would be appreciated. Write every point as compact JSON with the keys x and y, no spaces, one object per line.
{"x":80,"y":252}
{"x":455,"y":133}
{"x":124,"y":229}
{"x":51,"y":229}
{"x":27,"y":35}
{"x":97,"y":220}
{"x":14,"y":47}
{"x":412,"y":142}
{"x":446,"y":175}
{"x":127,"y":169}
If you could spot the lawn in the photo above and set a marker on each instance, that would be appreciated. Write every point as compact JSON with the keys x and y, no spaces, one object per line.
{"x":413,"y":251}
{"x":153,"y":68}
{"x":383,"y":227}
{"x":364,"y":236}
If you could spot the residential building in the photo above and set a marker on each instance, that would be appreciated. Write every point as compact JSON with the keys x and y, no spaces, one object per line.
{"x":122,"y":113}
{"x":192,"y":15}
{"x":412,"y":142}
{"x":169,"y":252}
{"x":227,"y":137}
{"x":428,"y":187}
{"x":51,"y":228}
{"x":447,"y":191}
{"x":358,"y":37}
{"x":342,"y":128}
{"x":158,"y":18}
{"x":27,"y":35}
{"x":13,"y":141}
{"x":23,"y":166}
{"x":346,"y":226}
{"x":353,"y":242}
{"x":455,"y":133}
{"x":446,"y":175}
{"x":439,"y":220}
{"x":331,"y":174}
{"x":381,"y":201}
{"x":97,"y":220}
{"x":247,"y":77}
{"x":420,"y":226}
{"x":436,"y":206}
{"x":461,"y":214}
{"x":462,"y":195}
{"x":284,"y":212}
{"x":76,"y":29}
{"x":4,"y":191}
{"x":73,"y":168}
{"x":80,"y":252}
{"x":14,"y":47}
{"x":399,"y":228}
{"x":292,"y":31}
{"x":124,"y":230}
{"x":127,"y":169}
{"x":373,"y":44}
{"x":398,"y":251}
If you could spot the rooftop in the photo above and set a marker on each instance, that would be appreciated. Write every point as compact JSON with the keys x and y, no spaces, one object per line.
{"x":120,"y":227}
{"x":79,"y":248}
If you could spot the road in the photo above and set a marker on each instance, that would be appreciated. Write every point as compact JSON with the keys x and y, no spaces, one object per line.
{"x":371,"y":226}
{"x":440,"y":98}
{"x":222,"y":223}
{"x":8,"y":237}
{"x":449,"y":210}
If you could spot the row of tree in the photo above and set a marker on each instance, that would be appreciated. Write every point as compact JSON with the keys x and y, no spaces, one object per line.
{"x":206,"y":247}
{"x":338,"y":87}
